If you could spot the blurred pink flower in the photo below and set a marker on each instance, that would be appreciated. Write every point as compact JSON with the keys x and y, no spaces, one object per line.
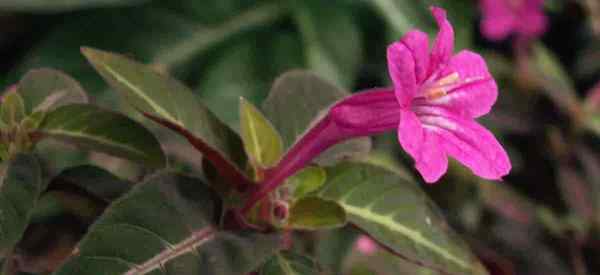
{"x":365,"y":245}
{"x":501,"y":18}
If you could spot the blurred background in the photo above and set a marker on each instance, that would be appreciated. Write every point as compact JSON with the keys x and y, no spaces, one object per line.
{"x":543,"y":219}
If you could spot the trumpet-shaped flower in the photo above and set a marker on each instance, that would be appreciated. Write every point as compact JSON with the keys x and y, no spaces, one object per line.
{"x":525,"y":18}
{"x":436,"y":96}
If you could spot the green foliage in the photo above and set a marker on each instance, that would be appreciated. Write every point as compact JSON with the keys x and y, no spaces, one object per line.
{"x":20,"y":188}
{"x":60,"y":5}
{"x":288,"y":263}
{"x":131,"y":236}
{"x":97,"y":129}
{"x":399,"y":214}
{"x":47,"y":89}
{"x":307,"y":180}
{"x":12,"y":109}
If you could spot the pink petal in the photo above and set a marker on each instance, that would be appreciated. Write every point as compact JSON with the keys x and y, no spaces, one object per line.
{"x":444,"y":42}
{"x":467,"y":141}
{"x":366,"y":245}
{"x":418,"y":43}
{"x":423,"y":146}
{"x":401,"y":66}
{"x":478,"y":91}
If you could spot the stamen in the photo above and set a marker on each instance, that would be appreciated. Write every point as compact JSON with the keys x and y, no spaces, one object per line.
{"x":441,"y":87}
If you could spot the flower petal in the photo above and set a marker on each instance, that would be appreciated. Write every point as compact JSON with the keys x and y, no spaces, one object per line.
{"x":477,"y":91}
{"x":418,"y":43}
{"x":423,"y":146}
{"x":444,"y":42}
{"x":533,"y":23}
{"x":468,"y":142}
{"x":401,"y":66}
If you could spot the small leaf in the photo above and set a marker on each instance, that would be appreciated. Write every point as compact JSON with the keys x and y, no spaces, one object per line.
{"x":288,"y":263}
{"x":93,"y":128}
{"x":94,"y":180}
{"x":398,"y":214}
{"x":261,"y":141}
{"x":20,"y":188}
{"x":314,"y":213}
{"x":165,"y":226}
{"x":296,"y":100}
{"x":307,"y":180}
{"x":46,"y":89}
{"x":13,"y":109}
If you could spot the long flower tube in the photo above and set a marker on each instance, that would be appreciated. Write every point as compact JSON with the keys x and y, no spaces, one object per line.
{"x":432,"y":105}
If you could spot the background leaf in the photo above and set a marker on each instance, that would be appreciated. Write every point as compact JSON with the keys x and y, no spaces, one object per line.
{"x":288,"y":263}
{"x":334,"y":52}
{"x":19,"y":191}
{"x":132,"y":237}
{"x":291,"y":119}
{"x":307,"y":180}
{"x":399,"y":215}
{"x":60,"y":5}
{"x":105,"y":131}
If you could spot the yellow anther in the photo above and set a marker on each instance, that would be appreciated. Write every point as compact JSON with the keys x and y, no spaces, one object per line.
{"x":435,"y":93}
{"x":448,"y":80}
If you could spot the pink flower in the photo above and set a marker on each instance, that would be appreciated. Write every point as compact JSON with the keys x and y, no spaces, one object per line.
{"x":432,"y":105}
{"x":439,"y":95}
{"x":525,"y":18}
{"x":365,"y":245}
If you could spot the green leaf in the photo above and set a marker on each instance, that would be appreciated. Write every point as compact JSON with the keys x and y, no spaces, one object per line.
{"x":398,"y":214}
{"x":94,"y":180}
{"x":20,"y":188}
{"x":93,"y":128}
{"x":334,"y":52}
{"x":262,"y":142}
{"x":312,"y":213}
{"x":307,"y":180}
{"x":60,"y":5}
{"x":46,"y":89}
{"x":292,"y":119}
{"x":13,"y":108}
{"x":167,"y":101}
{"x":165,"y":226}
{"x":288,"y":263}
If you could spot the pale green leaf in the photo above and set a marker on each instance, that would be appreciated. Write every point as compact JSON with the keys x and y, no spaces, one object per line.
{"x":46,"y":89}
{"x":307,"y":180}
{"x":262,"y":142}
{"x":13,"y":108}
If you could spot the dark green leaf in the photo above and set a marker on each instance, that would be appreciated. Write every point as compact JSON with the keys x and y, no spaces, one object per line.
{"x":296,"y":100}
{"x":287,"y":263}
{"x":261,"y":141}
{"x":314,"y":213}
{"x":166,"y":99}
{"x":334,"y":52}
{"x":60,"y":5}
{"x":20,"y":187}
{"x":94,"y":180}
{"x":97,"y":129}
{"x":165,"y":226}
{"x":333,"y":246}
{"x":398,"y":214}
{"x":46,"y":89}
